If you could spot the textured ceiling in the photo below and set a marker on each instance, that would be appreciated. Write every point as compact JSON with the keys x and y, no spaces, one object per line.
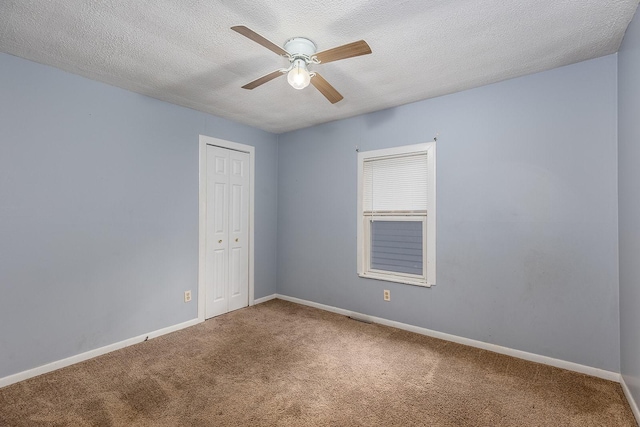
{"x":183,"y":51}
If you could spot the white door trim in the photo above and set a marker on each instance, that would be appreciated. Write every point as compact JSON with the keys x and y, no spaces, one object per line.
{"x":202,"y":200}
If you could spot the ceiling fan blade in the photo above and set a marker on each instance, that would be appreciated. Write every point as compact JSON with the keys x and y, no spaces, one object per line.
{"x":262,"y":80}
{"x":250,"y":34}
{"x":343,"y":52}
{"x":326,"y":89}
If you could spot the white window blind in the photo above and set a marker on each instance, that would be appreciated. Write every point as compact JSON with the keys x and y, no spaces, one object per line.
{"x":397,"y":183}
{"x":397,"y":246}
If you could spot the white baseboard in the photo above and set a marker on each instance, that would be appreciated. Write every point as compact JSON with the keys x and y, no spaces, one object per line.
{"x":264,"y":299}
{"x":21,"y":376}
{"x":532,"y":357}
{"x":571,"y":366}
{"x":632,"y":402}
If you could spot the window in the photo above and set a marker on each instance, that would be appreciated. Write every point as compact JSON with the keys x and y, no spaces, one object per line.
{"x":396,"y":214}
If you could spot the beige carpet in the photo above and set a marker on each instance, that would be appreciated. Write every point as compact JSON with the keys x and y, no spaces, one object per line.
{"x":283,"y":364}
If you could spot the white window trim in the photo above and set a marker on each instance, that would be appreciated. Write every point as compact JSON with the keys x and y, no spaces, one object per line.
{"x":362,"y":236}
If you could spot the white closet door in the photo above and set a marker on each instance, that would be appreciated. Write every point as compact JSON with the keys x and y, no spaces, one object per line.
{"x":217,"y":270}
{"x":238,"y":230}
{"x":227,"y":234}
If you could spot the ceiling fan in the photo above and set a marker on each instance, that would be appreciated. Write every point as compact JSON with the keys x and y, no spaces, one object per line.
{"x":301,"y":52}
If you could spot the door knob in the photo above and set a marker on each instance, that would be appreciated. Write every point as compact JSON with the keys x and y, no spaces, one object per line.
{"x":236,"y":239}
{"x":219,"y":241}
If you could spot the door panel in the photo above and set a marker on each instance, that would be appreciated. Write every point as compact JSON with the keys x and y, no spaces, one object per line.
{"x":239,"y":232}
{"x":217,"y":255}
{"x":235,"y":271}
{"x":236,"y":208}
{"x":219,"y":199}
{"x":219,"y":271}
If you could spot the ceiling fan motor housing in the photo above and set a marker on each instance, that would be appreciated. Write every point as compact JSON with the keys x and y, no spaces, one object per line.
{"x":300,"y":47}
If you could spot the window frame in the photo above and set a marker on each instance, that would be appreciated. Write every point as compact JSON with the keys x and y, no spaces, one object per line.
{"x":364,"y":270}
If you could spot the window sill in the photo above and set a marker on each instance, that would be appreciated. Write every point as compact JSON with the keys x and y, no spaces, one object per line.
{"x":396,"y":279}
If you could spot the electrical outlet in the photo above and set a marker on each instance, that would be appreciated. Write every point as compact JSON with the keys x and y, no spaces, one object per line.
{"x":387,"y":295}
{"x":187,"y":296}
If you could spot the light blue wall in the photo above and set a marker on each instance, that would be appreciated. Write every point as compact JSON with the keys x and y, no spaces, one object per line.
{"x":527,"y":214}
{"x":99,"y":212}
{"x":629,"y":205}
{"x":99,"y":216}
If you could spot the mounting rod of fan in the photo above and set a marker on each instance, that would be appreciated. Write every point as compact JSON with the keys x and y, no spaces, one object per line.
{"x":301,"y":52}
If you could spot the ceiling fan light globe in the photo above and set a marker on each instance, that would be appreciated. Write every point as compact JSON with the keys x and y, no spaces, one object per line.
{"x":298,"y":77}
